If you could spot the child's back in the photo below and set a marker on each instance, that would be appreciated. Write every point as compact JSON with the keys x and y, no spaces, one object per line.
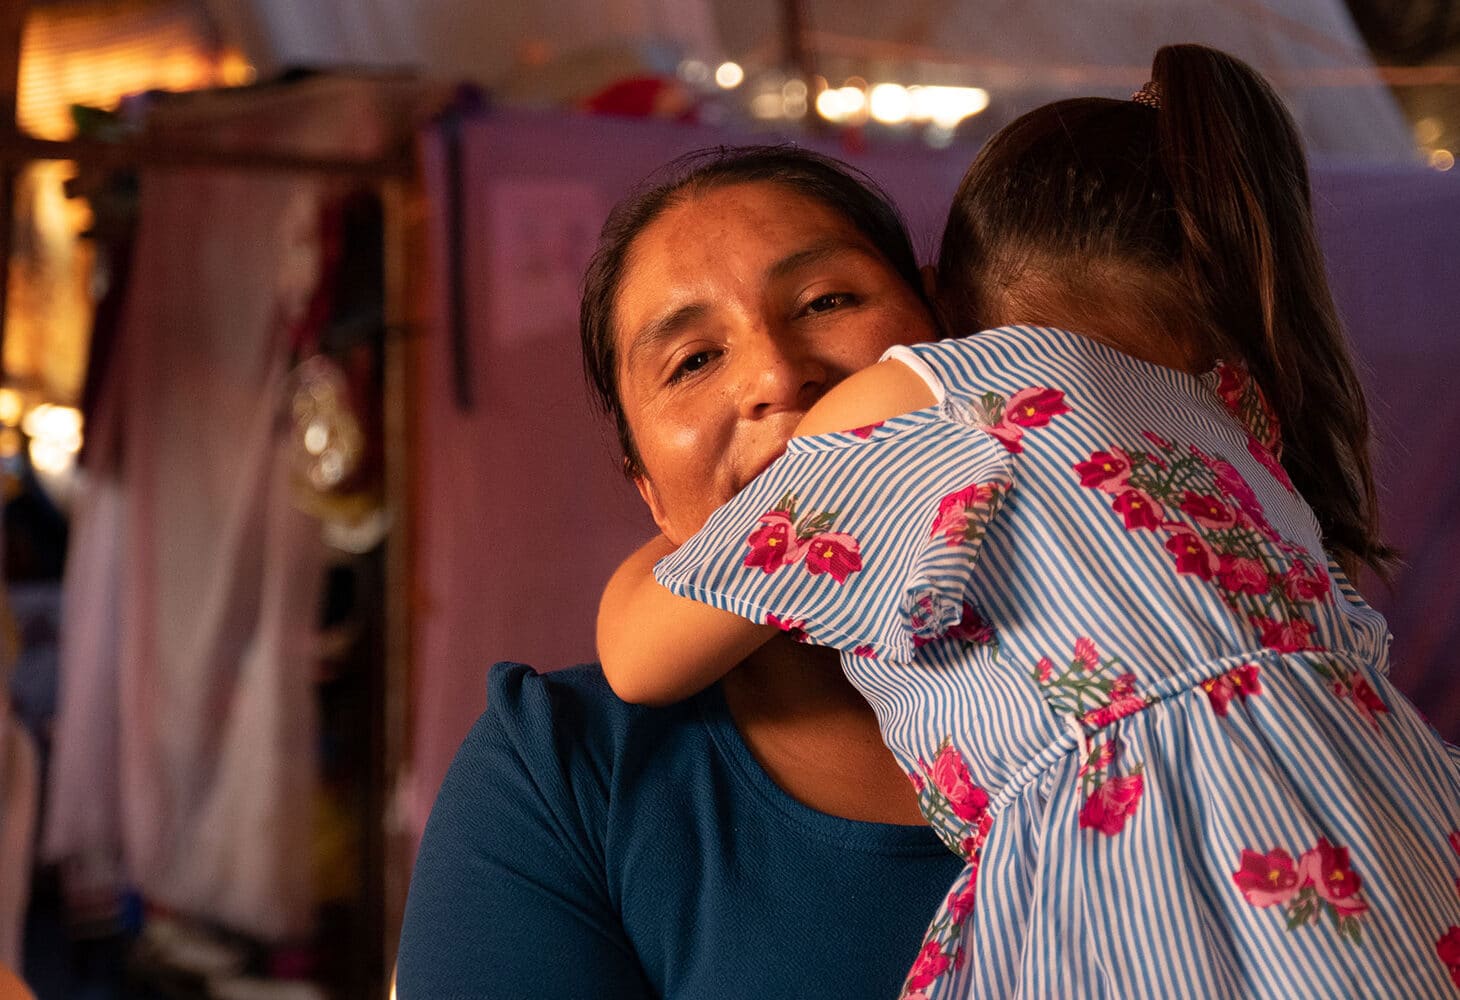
{"x":1154,"y":723}
{"x":1088,"y":594}
{"x":1091,"y":607}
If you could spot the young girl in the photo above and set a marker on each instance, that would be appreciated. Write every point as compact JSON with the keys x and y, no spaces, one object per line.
{"x":1094,"y":583}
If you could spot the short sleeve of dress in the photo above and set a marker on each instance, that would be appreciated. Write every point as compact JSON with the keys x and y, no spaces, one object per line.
{"x":863,"y":540}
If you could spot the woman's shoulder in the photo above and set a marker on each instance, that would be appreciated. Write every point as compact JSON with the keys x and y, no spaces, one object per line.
{"x":566,"y":721}
{"x":548,"y":750}
{"x":573,"y":833}
{"x":528,"y":703}
{"x":511,"y":877}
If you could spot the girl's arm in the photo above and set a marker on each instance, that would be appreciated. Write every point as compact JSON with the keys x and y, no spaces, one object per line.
{"x":657,"y":647}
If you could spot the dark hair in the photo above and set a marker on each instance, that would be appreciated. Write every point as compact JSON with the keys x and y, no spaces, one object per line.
{"x":1207,"y":201}
{"x":840,"y":187}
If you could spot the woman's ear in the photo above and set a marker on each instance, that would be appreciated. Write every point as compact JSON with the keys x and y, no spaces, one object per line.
{"x":651,"y":500}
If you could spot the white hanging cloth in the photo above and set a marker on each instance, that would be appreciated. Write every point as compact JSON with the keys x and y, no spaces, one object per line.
{"x":185,"y":741}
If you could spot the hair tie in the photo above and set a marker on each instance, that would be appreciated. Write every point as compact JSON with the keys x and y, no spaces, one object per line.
{"x":1149,"y":95}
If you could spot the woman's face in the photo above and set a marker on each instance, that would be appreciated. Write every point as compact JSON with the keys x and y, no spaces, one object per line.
{"x":739,"y":308}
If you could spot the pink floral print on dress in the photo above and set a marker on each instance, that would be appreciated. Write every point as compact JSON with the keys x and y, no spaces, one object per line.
{"x":782,"y":538}
{"x":964,"y":515}
{"x":931,"y":963}
{"x":970,"y":630}
{"x":1448,"y":948}
{"x":1112,"y":802}
{"x":1110,"y":799}
{"x":1096,"y":692}
{"x":957,"y":809}
{"x":833,"y":553}
{"x":1348,"y":684}
{"x":1241,"y":682}
{"x":795,"y":628}
{"x":954,"y":804}
{"x":1093,"y":691}
{"x":1107,"y":471}
{"x":1271,"y":464}
{"x":773,"y":543}
{"x":1008,"y":418}
{"x":1246,"y":401}
{"x":1216,"y":531}
{"x":1322,"y":881}
{"x":950,"y":774}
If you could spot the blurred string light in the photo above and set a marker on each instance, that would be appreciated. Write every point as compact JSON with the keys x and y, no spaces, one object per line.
{"x":893,"y":104}
{"x":694,"y":72}
{"x":11,"y":442}
{"x":768,"y":106}
{"x":12,"y":407}
{"x":890,"y":103}
{"x":939,"y":110}
{"x":55,"y":437}
{"x":729,"y":75}
{"x":841,"y":104}
{"x":793,"y":98}
{"x":1429,"y":132}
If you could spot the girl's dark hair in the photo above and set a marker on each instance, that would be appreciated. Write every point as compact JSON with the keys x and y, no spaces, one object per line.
{"x":842,"y":188}
{"x":1207,"y":201}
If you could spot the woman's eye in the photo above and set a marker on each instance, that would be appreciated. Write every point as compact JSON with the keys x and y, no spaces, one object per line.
{"x":690,"y":365}
{"x":827,"y":302}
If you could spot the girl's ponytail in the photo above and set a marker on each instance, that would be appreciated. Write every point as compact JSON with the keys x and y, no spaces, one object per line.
{"x":1239,"y":188}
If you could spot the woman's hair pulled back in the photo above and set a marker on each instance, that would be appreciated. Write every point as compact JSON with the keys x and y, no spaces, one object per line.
{"x":1206,"y":200}
{"x":842,"y":188}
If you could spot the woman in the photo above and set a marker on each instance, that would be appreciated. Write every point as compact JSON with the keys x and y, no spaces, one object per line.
{"x":757,"y":840}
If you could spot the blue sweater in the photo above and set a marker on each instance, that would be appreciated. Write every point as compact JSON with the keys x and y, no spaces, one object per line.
{"x":584,"y":849}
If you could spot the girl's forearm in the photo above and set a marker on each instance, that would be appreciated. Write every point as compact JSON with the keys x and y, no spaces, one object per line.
{"x":657,"y":648}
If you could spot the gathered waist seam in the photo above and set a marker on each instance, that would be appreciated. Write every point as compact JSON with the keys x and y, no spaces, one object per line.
{"x":1076,"y":736}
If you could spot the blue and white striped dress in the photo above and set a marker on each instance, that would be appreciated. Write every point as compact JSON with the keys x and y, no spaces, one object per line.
{"x":1101,"y":636}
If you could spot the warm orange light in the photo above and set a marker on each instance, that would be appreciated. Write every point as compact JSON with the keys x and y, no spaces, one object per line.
{"x":97,"y":52}
{"x":91,"y":52}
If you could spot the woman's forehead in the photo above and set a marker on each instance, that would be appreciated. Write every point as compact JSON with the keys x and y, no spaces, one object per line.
{"x":747,"y":233}
{"x":755,"y":211}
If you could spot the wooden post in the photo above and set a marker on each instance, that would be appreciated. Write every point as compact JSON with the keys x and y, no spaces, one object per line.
{"x":797,"y":56}
{"x":793,"y":38}
{"x":405,"y":236}
{"x":12,"y":24}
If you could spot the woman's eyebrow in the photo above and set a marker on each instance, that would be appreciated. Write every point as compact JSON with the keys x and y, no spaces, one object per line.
{"x":660,"y":329}
{"x":817,"y":253}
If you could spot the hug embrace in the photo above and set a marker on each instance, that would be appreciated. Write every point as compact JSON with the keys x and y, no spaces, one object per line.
{"x":1079,"y":511}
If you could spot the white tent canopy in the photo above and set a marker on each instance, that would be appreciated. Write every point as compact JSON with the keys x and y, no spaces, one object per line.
{"x":1023,"y":51}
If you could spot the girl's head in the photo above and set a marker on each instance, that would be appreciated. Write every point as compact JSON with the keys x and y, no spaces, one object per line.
{"x":726,"y":299}
{"x":1197,"y":215}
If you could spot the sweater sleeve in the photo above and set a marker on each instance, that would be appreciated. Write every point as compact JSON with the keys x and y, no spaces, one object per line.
{"x":509,"y":896}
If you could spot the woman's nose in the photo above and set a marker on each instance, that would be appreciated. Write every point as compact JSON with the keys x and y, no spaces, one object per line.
{"x":782,"y":376}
